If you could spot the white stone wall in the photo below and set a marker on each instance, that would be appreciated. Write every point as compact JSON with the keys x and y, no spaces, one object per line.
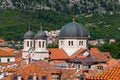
{"x":5,"y":59}
{"x":36,"y":55}
{"x":26,"y":48}
{"x":76,"y":46}
{"x":42,"y":56}
{"x":37,"y":51}
{"x":25,"y":54}
{"x":40,"y":47}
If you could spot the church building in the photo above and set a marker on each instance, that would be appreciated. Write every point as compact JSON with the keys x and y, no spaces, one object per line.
{"x":35,"y":46}
{"x":73,"y":36}
{"x":73,"y":46}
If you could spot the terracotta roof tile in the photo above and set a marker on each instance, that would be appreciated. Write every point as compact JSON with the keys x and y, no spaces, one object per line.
{"x":57,"y":54}
{"x":57,"y":62}
{"x":98,"y":55}
{"x":5,"y":54}
{"x":77,"y":53}
{"x":40,"y":67}
{"x":107,"y":54}
{"x":68,"y":73}
{"x":112,"y":62}
{"x":112,"y":74}
{"x":9,"y":50}
{"x":94,"y":50}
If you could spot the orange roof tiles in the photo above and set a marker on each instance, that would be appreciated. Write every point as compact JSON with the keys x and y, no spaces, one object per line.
{"x":77,"y":53}
{"x":40,"y":67}
{"x":94,"y":50}
{"x":5,"y":54}
{"x":98,"y":55}
{"x":112,"y":74}
{"x":9,"y":50}
{"x":112,"y":62}
{"x":57,"y":54}
{"x":57,"y":62}
{"x":107,"y":54}
{"x":68,"y":73}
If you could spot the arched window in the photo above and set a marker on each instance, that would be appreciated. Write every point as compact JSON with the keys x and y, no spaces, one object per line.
{"x":27,"y":43}
{"x":30,"y":43}
{"x":70,"y":43}
{"x":80,"y":43}
{"x":39,"y":43}
{"x":43,"y":44}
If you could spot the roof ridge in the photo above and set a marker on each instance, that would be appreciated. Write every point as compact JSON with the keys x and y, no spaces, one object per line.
{"x":78,"y":51}
{"x":64,"y":52}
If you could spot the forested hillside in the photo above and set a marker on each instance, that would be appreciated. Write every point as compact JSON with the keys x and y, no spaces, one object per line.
{"x":101,"y":17}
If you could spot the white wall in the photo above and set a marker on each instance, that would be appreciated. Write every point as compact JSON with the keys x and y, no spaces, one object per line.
{"x":42,"y":56}
{"x":5,"y":59}
{"x":37,"y":44}
{"x":26,"y":48}
{"x":72,"y":49}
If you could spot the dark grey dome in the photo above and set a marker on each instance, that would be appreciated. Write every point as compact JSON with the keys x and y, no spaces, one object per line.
{"x":41,"y":35}
{"x":73,"y":30}
{"x":29,"y":35}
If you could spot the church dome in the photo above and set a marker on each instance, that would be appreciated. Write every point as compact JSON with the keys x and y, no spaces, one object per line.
{"x":73,"y":30}
{"x":29,"y":35}
{"x":41,"y":35}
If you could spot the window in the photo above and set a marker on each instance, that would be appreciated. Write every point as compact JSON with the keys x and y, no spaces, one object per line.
{"x":44,"y":78}
{"x":61,"y":42}
{"x":30,"y":77}
{"x":30,"y":43}
{"x":8,"y":60}
{"x":15,"y":78}
{"x":80,"y":43}
{"x":70,"y":43}
{"x":27,"y":43}
{"x":43,"y":44}
{"x":39,"y":44}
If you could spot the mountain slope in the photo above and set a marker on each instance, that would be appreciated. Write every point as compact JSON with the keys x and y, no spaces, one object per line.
{"x":67,"y":6}
{"x":101,"y":17}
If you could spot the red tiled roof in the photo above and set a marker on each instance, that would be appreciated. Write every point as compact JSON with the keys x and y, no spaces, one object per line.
{"x":77,"y":53}
{"x":112,"y":74}
{"x":5,"y":54}
{"x":68,"y":73}
{"x":40,"y":68}
{"x":94,"y":50}
{"x":112,"y":62}
{"x":57,"y":62}
{"x":57,"y":54}
{"x":98,"y":55}
{"x":9,"y":50}
{"x":107,"y":54}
